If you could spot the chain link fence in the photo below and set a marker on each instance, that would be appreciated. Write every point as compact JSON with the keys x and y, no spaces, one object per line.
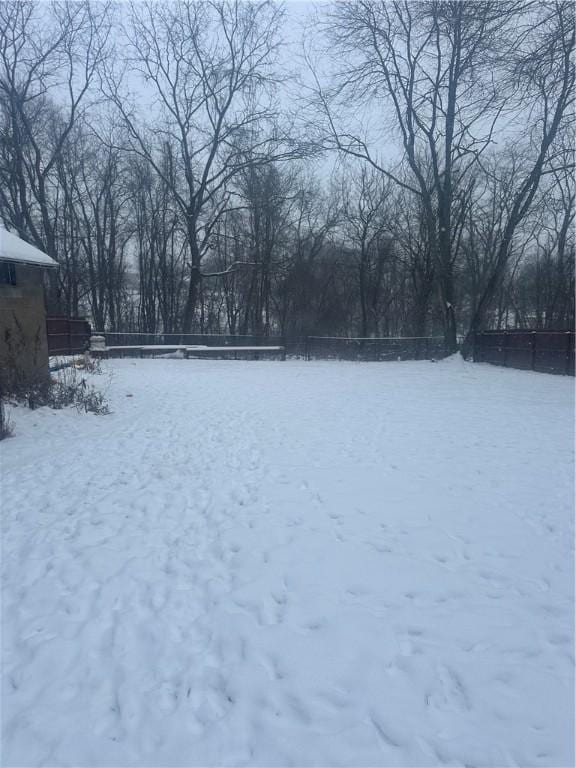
{"x":306,"y":347}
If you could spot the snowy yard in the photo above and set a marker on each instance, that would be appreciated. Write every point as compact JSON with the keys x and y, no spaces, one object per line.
{"x":306,"y":564}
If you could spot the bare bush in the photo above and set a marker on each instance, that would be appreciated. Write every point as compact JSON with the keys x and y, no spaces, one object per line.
{"x":69,"y":388}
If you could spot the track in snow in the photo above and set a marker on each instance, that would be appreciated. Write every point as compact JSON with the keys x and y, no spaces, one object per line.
{"x":292,"y":564}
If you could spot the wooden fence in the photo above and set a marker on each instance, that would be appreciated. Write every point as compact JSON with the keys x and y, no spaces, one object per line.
{"x":544,"y":351}
{"x":67,"y":335}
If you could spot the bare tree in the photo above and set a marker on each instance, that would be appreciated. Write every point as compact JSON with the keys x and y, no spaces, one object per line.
{"x":159,"y":245}
{"x":211,"y":69}
{"x":365,"y":196}
{"x":544,"y":67}
{"x":160,"y":180}
{"x":307,"y":274}
{"x":413,"y":251}
{"x":103,"y":233}
{"x":430,"y":63}
{"x":540,"y":288}
{"x":268,"y":194}
{"x":45,"y":59}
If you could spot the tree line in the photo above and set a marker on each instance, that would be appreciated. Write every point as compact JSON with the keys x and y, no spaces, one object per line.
{"x":412,"y":177}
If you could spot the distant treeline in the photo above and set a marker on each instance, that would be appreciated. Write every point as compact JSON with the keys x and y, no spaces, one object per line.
{"x":146,"y":148}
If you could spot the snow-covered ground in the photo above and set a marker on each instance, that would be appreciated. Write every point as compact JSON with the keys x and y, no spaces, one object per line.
{"x":306,"y":564}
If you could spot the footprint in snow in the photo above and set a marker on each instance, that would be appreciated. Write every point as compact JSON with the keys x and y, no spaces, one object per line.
{"x":450,"y":695}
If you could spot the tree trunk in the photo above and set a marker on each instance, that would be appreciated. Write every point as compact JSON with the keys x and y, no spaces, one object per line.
{"x":194,"y":283}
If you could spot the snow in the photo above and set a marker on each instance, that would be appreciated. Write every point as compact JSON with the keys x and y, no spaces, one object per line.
{"x":234,"y":348}
{"x":57,"y":362}
{"x":13,"y":248}
{"x":299,"y":563}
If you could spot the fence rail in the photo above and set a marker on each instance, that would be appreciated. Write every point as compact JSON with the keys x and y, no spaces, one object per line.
{"x":543,"y":351}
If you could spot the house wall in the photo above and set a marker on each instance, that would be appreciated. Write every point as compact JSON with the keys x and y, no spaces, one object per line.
{"x":23,"y":344}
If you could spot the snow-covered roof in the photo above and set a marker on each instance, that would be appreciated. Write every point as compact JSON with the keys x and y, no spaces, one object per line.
{"x":13,"y":248}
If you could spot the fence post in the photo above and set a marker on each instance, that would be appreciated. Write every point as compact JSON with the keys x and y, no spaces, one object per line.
{"x":506,"y":337}
{"x":478,"y":347}
{"x":533,"y":351}
{"x":568,"y":339}
{"x":307,"y":348}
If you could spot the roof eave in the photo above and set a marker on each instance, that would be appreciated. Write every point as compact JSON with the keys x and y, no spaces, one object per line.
{"x":22,"y":262}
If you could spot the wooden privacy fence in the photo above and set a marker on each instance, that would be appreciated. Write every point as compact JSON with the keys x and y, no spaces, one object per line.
{"x":544,"y":351}
{"x":67,"y":335}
